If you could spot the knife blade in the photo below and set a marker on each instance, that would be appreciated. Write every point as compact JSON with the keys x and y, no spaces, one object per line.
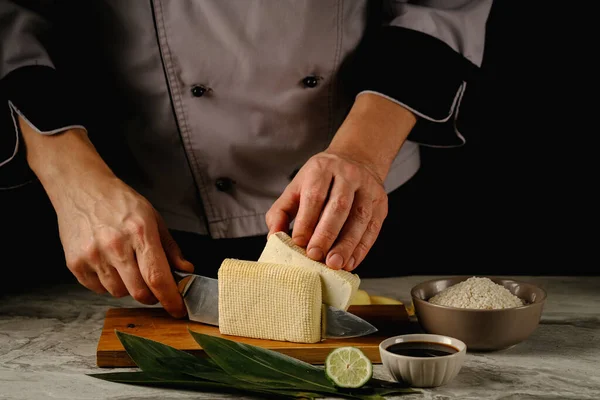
{"x":201,"y":297}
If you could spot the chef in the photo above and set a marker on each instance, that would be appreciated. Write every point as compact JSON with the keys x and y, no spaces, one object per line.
{"x":223,"y":120}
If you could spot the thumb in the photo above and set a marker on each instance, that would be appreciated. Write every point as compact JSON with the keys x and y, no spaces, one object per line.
{"x":172,"y":250}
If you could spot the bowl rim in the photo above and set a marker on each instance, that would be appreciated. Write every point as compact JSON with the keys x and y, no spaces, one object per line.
{"x":408,"y":335}
{"x":492,"y":277}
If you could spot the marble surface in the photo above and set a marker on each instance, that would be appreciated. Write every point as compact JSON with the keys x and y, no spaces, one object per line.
{"x":48,"y":341}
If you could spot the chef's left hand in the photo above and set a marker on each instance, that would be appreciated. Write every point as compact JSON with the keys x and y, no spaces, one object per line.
{"x":337,"y":198}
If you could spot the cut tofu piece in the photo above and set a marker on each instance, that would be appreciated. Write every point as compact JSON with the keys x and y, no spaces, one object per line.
{"x":339,"y":287}
{"x":269,"y":301}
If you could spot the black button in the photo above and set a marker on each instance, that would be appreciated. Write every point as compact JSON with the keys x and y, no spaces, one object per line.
{"x":224,"y":184}
{"x":310,"y":81}
{"x":198,"y":90}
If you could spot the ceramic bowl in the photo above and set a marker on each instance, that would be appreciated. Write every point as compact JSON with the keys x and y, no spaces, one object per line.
{"x":423,"y":372}
{"x":481,"y":330}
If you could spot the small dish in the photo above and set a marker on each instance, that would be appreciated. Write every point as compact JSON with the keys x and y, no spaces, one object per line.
{"x":424,"y":371}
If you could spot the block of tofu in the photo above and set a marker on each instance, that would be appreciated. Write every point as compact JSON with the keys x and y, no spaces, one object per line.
{"x":339,"y":287}
{"x":269,"y":301}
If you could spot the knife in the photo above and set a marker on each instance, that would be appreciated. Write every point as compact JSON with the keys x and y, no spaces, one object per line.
{"x":201,"y":297}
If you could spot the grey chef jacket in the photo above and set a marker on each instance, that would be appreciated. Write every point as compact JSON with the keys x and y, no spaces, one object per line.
{"x":208,"y":107}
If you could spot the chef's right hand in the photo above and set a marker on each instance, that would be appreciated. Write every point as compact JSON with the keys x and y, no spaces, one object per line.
{"x":113,"y":239}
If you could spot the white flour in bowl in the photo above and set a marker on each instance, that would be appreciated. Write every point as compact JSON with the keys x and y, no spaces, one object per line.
{"x":477,"y":293}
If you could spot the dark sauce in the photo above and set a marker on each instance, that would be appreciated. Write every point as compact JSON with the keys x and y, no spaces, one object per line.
{"x":422,"y":349}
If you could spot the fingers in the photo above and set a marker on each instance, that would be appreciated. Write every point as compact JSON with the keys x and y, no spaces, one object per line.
{"x":314,"y":193}
{"x":85,"y":266}
{"x":87,"y":277}
{"x":118,"y":270}
{"x":132,"y":261}
{"x":283,"y":210}
{"x":172,"y":250}
{"x":342,"y":252}
{"x":334,"y":217}
{"x":125,"y":264}
{"x":108,"y":264}
{"x":380,"y":210}
{"x":155,"y":269}
{"x":110,"y":279}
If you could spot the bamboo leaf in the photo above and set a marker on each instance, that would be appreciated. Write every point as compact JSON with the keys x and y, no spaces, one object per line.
{"x":381,"y":383}
{"x":398,"y":391}
{"x":175,"y":364}
{"x":272,"y":369}
{"x":383,"y":386}
{"x":235,"y":368}
{"x":377,"y":388}
{"x":369,"y":393}
{"x":159,"y":361}
{"x":371,"y":397}
{"x":145,"y":353}
{"x":164,"y":379}
{"x":189,"y":368}
{"x":262,"y":366}
{"x":179,"y":381}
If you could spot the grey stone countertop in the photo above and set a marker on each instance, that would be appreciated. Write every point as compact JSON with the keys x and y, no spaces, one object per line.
{"x":48,"y":341}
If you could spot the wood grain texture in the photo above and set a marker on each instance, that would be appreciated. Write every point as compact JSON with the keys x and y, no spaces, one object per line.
{"x":156,"y":324}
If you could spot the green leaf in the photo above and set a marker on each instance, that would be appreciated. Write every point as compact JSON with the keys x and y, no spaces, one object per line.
{"x":145,"y":353}
{"x":390,"y":392}
{"x":176,"y":381}
{"x":374,"y":393}
{"x":263,"y":367}
{"x":159,"y":361}
{"x":234,"y":368}
{"x":389,"y":388}
{"x":164,"y":379}
{"x":272,"y":369}
{"x":379,"y":393}
{"x":185,"y":368}
{"x":371,"y":397}
{"x":381,"y":383}
{"x":376,"y":388}
{"x":188,"y":368}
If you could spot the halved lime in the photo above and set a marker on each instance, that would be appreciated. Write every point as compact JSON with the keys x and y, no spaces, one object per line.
{"x":348,"y":367}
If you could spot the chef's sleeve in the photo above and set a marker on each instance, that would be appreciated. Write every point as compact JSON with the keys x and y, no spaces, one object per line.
{"x":422,"y":56}
{"x":30,"y":86}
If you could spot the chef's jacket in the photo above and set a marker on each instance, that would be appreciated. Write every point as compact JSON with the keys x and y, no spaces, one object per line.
{"x":209,"y":107}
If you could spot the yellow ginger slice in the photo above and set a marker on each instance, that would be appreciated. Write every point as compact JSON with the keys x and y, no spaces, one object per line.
{"x":269,"y":301}
{"x":361,"y":298}
{"x":339,"y":287}
{"x":384,"y":300}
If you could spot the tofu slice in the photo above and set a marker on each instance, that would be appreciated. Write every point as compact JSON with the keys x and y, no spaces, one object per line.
{"x":339,"y":287}
{"x":269,"y":301}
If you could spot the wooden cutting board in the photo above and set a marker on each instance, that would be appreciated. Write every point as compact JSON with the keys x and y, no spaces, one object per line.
{"x":156,"y":324}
